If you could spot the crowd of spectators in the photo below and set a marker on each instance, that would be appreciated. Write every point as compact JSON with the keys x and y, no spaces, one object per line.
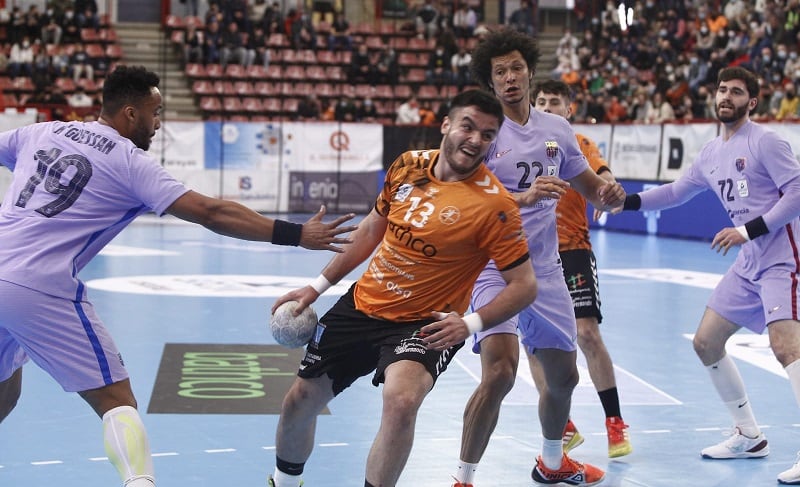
{"x":663,"y":66}
{"x":659,"y":64}
{"x":46,"y":45}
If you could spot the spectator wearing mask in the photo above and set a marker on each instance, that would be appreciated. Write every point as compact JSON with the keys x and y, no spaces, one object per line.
{"x":788,"y":108}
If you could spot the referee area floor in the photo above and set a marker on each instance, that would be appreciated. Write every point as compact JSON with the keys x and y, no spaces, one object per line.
{"x":189,"y":310}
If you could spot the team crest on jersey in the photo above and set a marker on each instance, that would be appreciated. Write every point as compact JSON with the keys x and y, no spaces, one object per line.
{"x":740,"y":164}
{"x":449,"y":215}
{"x":551,"y":148}
{"x":403,"y":191}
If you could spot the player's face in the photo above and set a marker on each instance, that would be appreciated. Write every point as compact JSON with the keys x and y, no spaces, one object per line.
{"x":147,"y":121}
{"x":551,"y":103}
{"x":511,"y":78}
{"x":466,"y":140}
{"x":732,"y":101}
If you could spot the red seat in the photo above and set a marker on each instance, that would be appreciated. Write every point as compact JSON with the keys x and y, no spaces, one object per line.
{"x":264,"y":88}
{"x":272,"y":106}
{"x":214,"y":71}
{"x":174,"y":22}
{"x":195,"y":21}
{"x":210,"y":104}
{"x":277,"y":39}
{"x":95,"y":51}
{"x":374,"y":42}
{"x":327,"y":57}
{"x":252,"y":105}
{"x":114,"y":52}
{"x":88,"y":85}
{"x":384,"y":91}
{"x":407,"y":59}
{"x":335,"y":73}
{"x":415,"y":75}
{"x":289,"y":106}
{"x":232,"y":104}
{"x":402,"y":92}
{"x":88,"y":34}
{"x":177,"y":37}
{"x":307,"y":56}
{"x":67,"y":85}
{"x":243,"y":88}
{"x":295,"y":72}
{"x":196,"y":71}
{"x":417,"y":44}
{"x":202,"y":87}
{"x":109,"y":36}
{"x":427,"y":92}
{"x":326,"y":90}
{"x":273,"y":72}
{"x":316,"y":73}
{"x":236,"y":71}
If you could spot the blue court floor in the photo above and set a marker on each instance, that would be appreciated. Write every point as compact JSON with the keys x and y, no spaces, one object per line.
{"x":185,"y":304}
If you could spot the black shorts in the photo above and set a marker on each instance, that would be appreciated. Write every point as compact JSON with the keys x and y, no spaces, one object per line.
{"x":580,"y":272}
{"x":349,"y":344}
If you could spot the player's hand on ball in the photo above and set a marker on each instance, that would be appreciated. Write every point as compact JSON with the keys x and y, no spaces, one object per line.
{"x":318,"y":235}
{"x":290,"y":328}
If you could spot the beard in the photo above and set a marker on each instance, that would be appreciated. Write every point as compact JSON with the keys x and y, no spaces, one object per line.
{"x":738,"y":114}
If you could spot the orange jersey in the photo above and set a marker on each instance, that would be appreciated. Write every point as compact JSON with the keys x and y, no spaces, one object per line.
{"x":439,"y":237}
{"x":573,"y":224}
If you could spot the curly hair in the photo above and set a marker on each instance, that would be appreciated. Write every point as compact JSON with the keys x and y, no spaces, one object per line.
{"x":499,"y":43}
{"x":737,"y":72}
{"x":127,"y":85}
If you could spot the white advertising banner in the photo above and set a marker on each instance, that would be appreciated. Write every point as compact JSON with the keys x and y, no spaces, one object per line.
{"x":600,"y":133}
{"x":680,"y":145}
{"x":635,"y":150}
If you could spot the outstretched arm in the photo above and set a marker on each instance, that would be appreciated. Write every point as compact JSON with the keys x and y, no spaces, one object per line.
{"x":235,"y":220}
{"x":365,"y":239}
{"x":603,"y":194}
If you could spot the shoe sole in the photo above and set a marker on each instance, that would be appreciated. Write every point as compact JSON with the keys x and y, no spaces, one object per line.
{"x":621,"y":452}
{"x":753,"y":456}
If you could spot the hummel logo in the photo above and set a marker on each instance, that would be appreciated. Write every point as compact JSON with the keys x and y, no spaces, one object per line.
{"x":485,"y":183}
{"x":776,"y":308}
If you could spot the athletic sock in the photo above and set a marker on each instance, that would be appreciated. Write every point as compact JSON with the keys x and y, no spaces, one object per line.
{"x":552,"y":453}
{"x":793,"y":371}
{"x":127,"y":446}
{"x":730,"y":387}
{"x":609,"y":398}
{"x":283,"y":479}
{"x":465,"y":472}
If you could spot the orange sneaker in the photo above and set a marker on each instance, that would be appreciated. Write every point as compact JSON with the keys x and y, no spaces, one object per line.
{"x":619,"y":443}
{"x":459,"y":484}
{"x":570,"y":472}
{"x":571,"y":439}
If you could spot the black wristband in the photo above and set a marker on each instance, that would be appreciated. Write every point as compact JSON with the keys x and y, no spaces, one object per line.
{"x":286,"y":233}
{"x":632,"y":202}
{"x":756,"y":228}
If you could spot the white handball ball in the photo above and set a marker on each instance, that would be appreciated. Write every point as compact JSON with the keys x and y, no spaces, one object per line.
{"x":293,"y":331}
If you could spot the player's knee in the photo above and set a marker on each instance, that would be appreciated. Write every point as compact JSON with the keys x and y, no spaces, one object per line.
{"x":401,"y":408}
{"x":500,"y":376}
{"x":589,"y":338}
{"x":703,"y":347}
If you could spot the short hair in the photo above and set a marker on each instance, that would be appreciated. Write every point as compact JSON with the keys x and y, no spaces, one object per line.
{"x":484,"y":101}
{"x":127,"y":85}
{"x":498,"y":43}
{"x":554,"y":87}
{"x":743,"y":74}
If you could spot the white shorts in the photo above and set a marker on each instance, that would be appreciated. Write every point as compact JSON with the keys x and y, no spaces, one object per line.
{"x":549,"y":322}
{"x":63,"y":337}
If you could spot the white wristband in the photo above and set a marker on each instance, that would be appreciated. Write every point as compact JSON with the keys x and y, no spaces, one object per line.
{"x":321,"y":284}
{"x":474,"y":322}
{"x":743,"y":232}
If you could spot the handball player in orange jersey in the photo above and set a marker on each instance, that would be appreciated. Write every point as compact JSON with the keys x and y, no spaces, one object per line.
{"x":442,"y":215}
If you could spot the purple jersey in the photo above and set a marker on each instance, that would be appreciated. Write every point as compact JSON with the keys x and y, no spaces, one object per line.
{"x":76,"y":186}
{"x":754,"y":174}
{"x":545,"y":145}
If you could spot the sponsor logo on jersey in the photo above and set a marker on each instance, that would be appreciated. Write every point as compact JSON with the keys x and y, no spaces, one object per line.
{"x":403,"y":191}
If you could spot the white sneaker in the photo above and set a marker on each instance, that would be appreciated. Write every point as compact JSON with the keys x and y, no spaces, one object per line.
{"x":791,"y":476}
{"x":738,"y":446}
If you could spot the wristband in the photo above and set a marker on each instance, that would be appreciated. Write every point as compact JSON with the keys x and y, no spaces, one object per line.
{"x":286,"y":233}
{"x":321,"y":284}
{"x":743,"y":232}
{"x":474,"y":322}
{"x":756,"y":227}
{"x":632,"y":202}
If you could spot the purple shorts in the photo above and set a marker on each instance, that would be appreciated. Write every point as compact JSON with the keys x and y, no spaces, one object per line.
{"x":549,"y":322}
{"x":63,"y":337}
{"x":754,"y":304}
